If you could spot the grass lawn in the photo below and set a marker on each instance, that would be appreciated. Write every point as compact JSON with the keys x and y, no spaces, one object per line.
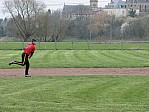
{"x":75,"y":94}
{"x":79,"y":58}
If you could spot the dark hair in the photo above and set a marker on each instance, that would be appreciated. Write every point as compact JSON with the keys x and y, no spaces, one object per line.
{"x":33,"y":40}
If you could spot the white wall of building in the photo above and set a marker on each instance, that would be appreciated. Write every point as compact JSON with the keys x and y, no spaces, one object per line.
{"x":117,"y":12}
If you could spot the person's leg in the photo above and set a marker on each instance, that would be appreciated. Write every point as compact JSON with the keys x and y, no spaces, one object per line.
{"x":27,"y":67}
{"x":23,"y":62}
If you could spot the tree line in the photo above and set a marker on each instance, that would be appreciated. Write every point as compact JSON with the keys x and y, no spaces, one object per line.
{"x":30,"y":18}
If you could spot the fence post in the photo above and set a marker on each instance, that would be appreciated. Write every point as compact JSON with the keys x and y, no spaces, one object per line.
{"x":105,"y":45}
{"x":22,"y":44}
{"x":88,"y":42}
{"x":6,"y":46}
{"x":55,"y":44}
{"x":72,"y":46}
{"x":39,"y":45}
{"x":122,"y":47}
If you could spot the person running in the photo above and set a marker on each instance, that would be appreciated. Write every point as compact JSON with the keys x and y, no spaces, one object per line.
{"x":28,"y":53}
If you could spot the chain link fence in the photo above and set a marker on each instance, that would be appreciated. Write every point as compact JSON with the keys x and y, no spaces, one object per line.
{"x":119,"y":45}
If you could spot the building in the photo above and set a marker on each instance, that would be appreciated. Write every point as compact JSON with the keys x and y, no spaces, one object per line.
{"x":140,"y":6}
{"x":116,"y":8}
{"x":80,"y":11}
{"x":94,"y":5}
{"x":122,"y":8}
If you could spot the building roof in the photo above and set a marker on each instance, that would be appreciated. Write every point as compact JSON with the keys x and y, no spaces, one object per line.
{"x":93,"y":0}
{"x":116,"y":4}
{"x":69,"y":9}
{"x":138,"y":1}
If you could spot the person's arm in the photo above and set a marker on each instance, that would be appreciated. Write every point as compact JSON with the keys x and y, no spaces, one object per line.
{"x":31,"y":54}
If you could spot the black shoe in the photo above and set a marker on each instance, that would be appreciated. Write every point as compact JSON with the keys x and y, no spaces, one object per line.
{"x":11,"y":62}
{"x":27,"y":76}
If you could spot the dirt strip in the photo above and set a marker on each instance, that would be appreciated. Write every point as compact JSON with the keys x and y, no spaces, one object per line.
{"x":74,"y":71}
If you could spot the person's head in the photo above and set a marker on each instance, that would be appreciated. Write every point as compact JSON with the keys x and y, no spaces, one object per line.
{"x":34,"y":41}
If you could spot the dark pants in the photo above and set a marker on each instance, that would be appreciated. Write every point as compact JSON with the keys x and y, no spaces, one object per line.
{"x":25,"y":61}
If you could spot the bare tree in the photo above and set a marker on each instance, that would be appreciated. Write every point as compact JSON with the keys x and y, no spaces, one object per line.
{"x":43,"y":26}
{"x":58,"y":26}
{"x":51,"y":26}
{"x":145,"y":25}
{"x":24,"y":14}
{"x":11,"y":28}
{"x":99,"y":23}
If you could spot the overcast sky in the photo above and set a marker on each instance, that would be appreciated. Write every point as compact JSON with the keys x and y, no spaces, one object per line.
{"x":58,"y":4}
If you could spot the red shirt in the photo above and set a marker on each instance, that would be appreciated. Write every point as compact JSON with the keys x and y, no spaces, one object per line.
{"x":29,"y":48}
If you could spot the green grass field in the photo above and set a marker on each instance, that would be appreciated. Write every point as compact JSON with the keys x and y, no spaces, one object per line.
{"x":75,"y":94}
{"x":79,"y":58}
